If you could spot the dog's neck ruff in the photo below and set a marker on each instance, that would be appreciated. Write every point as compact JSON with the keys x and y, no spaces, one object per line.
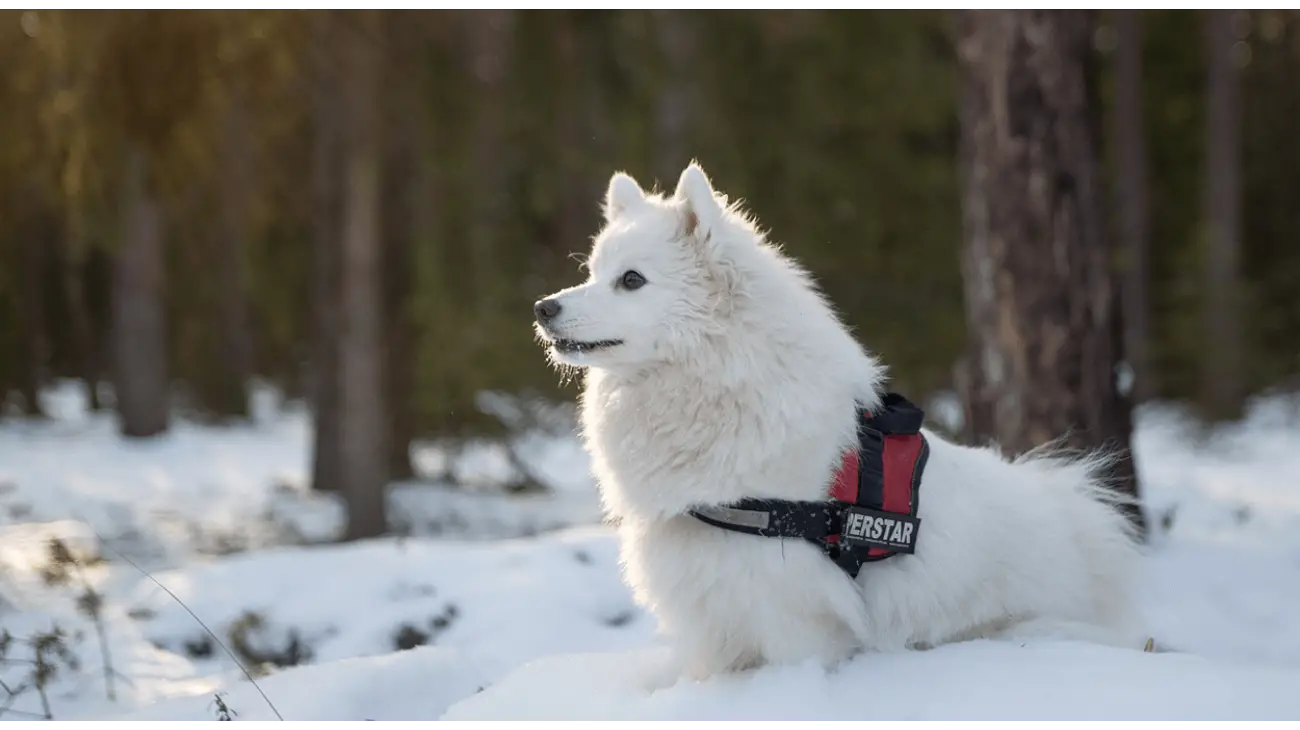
{"x":871,"y":513}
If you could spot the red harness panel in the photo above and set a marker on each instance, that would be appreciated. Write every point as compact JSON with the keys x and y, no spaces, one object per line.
{"x":845,"y":488}
{"x":898,"y":462}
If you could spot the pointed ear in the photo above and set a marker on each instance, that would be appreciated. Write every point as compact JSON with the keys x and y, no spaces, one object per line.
{"x":624,"y":194}
{"x":702,"y":208}
{"x":704,"y":211}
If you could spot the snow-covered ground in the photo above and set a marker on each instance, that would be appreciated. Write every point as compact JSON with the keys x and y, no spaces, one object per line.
{"x":212,"y":490}
{"x":501,"y":606}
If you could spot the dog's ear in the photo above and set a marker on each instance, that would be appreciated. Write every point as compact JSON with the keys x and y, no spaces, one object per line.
{"x":703,"y":211}
{"x":624,"y":194}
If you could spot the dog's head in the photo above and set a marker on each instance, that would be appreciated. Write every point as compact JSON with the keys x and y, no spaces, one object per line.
{"x":658,"y":281}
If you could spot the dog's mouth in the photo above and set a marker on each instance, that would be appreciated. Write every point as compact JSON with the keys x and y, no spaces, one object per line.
{"x":577,"y":346}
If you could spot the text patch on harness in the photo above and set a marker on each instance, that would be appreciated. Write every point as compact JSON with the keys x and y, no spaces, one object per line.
{"x":880,"y":529}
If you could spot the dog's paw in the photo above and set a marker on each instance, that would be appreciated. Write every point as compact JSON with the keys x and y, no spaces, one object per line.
{"x":702,"y":667}
{"x":834,"y":664}
{"x":661,"y":678}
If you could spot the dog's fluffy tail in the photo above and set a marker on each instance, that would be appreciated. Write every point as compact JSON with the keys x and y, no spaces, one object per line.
{"x":1101,"y":519}
{"x":1091,"y":473}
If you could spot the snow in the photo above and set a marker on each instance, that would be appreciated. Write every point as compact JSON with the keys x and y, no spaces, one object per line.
{"x":210,"y":490}
{"x":534,"y":596}
{"x":983,"y":680}
{"x":508,"y":604}
{"x":401,"y":686}
{"x":485,"y":608}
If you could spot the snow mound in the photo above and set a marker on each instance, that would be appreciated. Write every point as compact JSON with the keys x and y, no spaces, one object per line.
{"x":409,"y":685}
{"x":969,"y":681}
{"x":509,"y":601}
{"x":202,"y":490}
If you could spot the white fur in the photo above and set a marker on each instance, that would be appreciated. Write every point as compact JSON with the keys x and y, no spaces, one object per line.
{"x":735,"y":378}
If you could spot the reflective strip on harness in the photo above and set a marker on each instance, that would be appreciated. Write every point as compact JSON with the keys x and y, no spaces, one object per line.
{"x":871,"y":514}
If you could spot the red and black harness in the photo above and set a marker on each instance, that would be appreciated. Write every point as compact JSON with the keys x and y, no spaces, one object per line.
{"x":871,"y":514}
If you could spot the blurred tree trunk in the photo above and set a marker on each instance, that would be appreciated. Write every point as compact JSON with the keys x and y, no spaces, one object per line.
{"x":490,"y":35}
{"x":36,"y":238}
{"x":572,"y":142}
{"x":1222,"y":359}
{"x":72,"y":279}
{"x":327,"y":226}
{"x":1040,"y":302}
{"x":140,"y":375}
{"x":582,"y":135}
{"x":231,"y":394}
{"x":1131,"y":166}
{"x":402,"y":161}
{"x":364,"y":426}
{"x":676,"y":39}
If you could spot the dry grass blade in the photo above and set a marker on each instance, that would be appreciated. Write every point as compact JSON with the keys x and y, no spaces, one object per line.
{"x":209,"y":631}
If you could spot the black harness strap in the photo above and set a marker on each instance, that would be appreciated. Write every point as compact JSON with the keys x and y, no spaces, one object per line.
{"x":897,"y":417}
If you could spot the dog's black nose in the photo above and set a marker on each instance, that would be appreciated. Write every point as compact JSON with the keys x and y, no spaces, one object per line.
{"x":546,"y":309}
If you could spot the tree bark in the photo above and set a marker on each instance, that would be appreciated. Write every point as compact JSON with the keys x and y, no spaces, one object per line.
{"x":675,"y":105}
{"x":72,"y":275}
{"x":1131,"y":167}
{"x":139,"y":320}
{"x":1040,"y":301}
{"x":364,"y":428}
{"x":489,"y":36}
{"x":573,"y":142}
{"x":231,"y":396}
{"x":36,"y":238}
{"x":326,"y":474}
{"x":1222,"y":390}
{"x":401,"y":183}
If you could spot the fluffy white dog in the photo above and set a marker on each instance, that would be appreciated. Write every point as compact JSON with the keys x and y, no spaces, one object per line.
{"x":716,"y":371}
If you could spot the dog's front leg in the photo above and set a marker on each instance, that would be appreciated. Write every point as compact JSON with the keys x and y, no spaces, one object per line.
{"x":701,"y":656}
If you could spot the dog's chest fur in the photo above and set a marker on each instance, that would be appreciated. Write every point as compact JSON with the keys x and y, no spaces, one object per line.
{"x":662,"y":443}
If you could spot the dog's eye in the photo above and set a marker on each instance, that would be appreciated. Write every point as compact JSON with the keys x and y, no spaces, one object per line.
{"x":632,"y":280}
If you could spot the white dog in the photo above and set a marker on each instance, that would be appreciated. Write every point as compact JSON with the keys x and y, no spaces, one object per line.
{"x":716,"y":371}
